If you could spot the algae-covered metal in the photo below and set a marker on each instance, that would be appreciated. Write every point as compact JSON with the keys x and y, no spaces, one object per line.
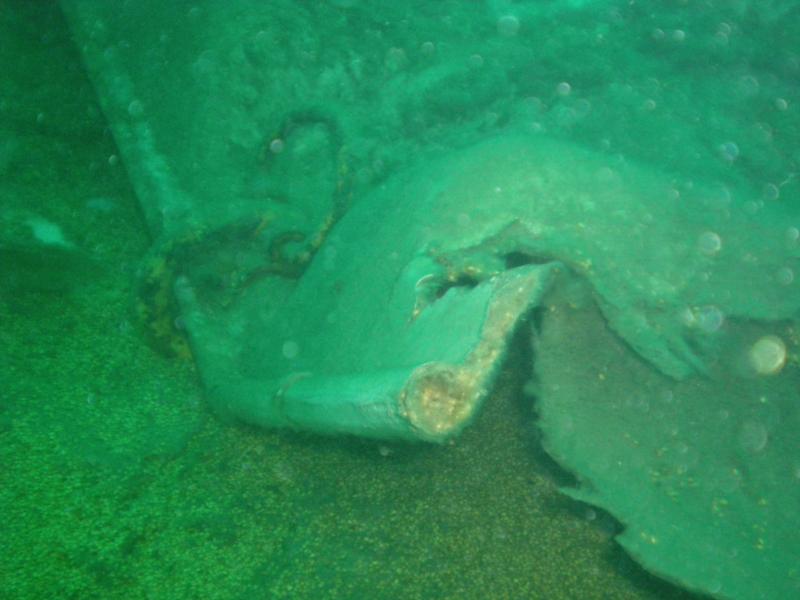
{"x":324,"y":289}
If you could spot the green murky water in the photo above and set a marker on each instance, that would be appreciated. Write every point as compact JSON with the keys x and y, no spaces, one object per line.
{"x":118,"y":481}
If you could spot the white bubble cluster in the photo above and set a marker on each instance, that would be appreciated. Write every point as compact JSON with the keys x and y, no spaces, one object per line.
{"x":707,"y":319}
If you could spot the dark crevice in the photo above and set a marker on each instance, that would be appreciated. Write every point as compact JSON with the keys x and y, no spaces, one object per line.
{"x":519,"y":259}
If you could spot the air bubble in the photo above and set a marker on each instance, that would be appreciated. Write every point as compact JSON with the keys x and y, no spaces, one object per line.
{"x":709,"y":243}
{"x":772,"y":191}
{"x":396,"y":59}
{"x":475,"y":61}
{"x":748,"y":85}
{"x":753,"y":436}
{"x":508,"y":26}
{"x":428,"y":48}
{"x":582,"y":107}
{"x":135,"y":108}
{"x":709,"y":318}
{"x":768,"y":355}
{"x":290,"y":349}
{"x":730,"y":480}
{"x":750,"y":207}
{"x":729,"y":151}
{"x":784,"y":276}
{"x":276,"y":146}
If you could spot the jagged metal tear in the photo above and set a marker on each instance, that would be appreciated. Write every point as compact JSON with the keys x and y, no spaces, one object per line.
{"x":415,"y":273}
